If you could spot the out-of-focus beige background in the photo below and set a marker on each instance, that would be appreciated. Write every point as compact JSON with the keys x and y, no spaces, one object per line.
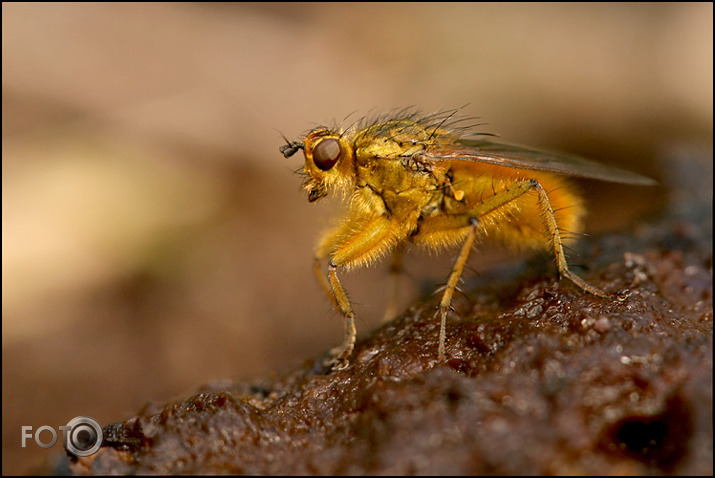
{"x":154,"y":239}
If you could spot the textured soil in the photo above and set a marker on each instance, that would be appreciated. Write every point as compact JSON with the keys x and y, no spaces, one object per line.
{"x":541,"y":378}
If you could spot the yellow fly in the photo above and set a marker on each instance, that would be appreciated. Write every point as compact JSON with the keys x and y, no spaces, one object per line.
{"x":424,"y":179}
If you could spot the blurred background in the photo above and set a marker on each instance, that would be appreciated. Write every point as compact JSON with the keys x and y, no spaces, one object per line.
{"x":155,"y":240}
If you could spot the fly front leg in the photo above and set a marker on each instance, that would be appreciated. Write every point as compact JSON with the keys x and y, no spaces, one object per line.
{"x":347,"y":247}
{"x":323,"y":281}
{"x":340,"y":354}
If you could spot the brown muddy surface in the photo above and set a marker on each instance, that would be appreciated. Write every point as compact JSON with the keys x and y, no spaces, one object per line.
{"x":541,"y":378}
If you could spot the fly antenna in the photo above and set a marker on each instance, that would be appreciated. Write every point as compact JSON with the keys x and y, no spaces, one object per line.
{"x":291,"y":147}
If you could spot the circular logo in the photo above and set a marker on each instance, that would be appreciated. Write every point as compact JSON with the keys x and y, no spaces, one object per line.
{"x":84,"y":437}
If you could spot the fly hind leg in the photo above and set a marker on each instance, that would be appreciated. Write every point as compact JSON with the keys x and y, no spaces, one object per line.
{"x":555,"y":235}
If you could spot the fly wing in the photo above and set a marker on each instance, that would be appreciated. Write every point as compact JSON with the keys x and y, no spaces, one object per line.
{"x":518,"y":157}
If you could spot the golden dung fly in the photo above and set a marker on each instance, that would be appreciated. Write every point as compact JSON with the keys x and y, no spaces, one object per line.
{"x":426,"y":180}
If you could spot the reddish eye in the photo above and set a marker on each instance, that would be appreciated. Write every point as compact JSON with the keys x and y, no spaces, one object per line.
{"x":326,"y":153}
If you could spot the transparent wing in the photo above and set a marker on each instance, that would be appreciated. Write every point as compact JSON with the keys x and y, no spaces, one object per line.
{"x":527,"y":158}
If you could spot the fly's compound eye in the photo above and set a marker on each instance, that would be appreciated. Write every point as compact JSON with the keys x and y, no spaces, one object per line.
{"x":326,"y":153}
